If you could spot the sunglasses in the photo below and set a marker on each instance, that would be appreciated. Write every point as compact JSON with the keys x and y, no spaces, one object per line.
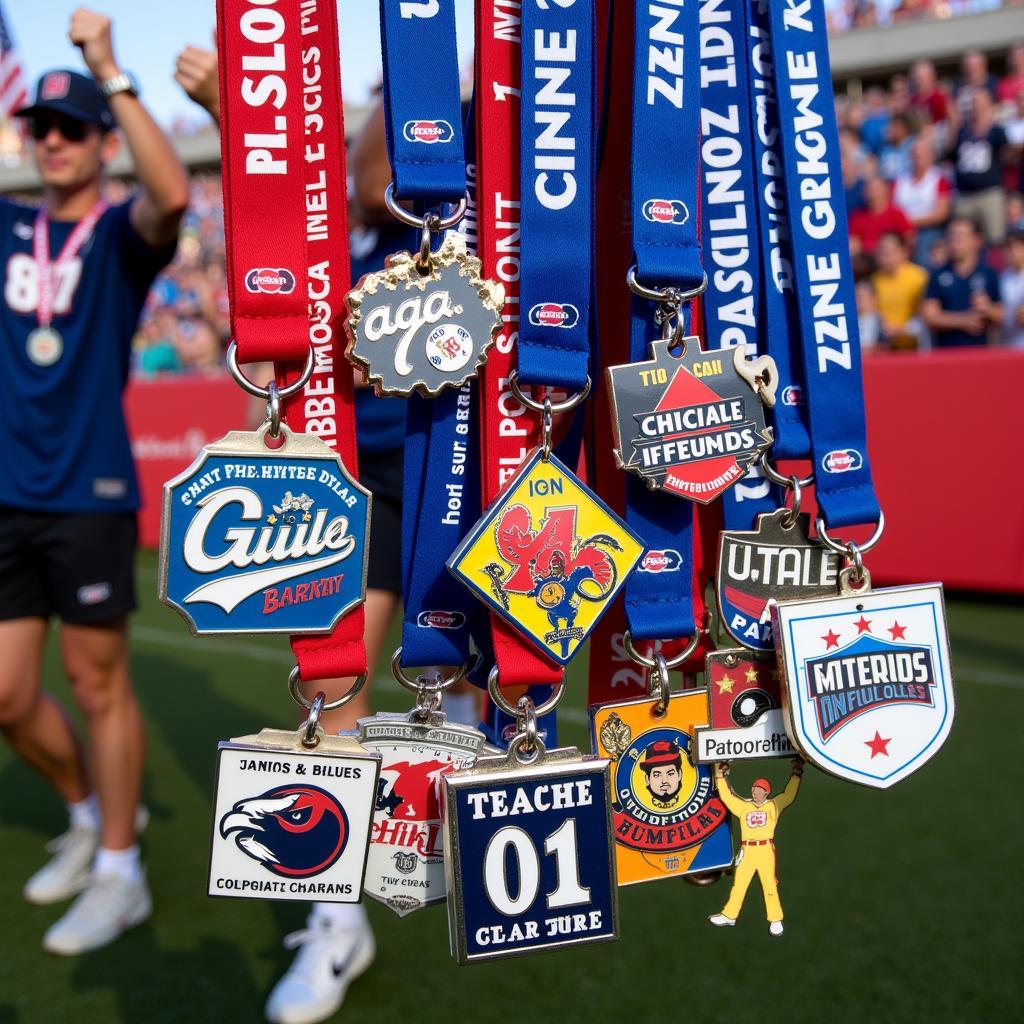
{"x":71,"y":128}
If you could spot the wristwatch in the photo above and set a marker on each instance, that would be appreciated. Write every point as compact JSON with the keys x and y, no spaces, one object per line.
{"x":124,"y":82}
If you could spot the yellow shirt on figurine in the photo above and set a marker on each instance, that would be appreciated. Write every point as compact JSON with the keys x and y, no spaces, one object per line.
{"x":757,"y":822}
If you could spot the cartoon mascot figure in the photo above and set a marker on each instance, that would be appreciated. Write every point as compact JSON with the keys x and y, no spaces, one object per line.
{"x":662,"y":766}
{"x":758,"y":818}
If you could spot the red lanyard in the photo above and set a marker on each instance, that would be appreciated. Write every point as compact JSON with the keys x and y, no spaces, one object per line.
{"x":41,"y":252}
{"x":286,"y":226}
{"x":509,"y":430}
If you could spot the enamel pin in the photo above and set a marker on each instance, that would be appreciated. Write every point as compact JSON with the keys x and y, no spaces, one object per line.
{"x":291,"y":823}
{"x":424,"y":330}
{"x":745,"y":702}
{"x":264,"y":540}
{"x":667,"y":818}
{"x":868,"y":693}
{"x":691,"y":425}
{"x":548,"y":556}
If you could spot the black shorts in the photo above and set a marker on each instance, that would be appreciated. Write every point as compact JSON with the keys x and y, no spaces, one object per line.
{"x":381,"y":474}
{"x":78,"y":567}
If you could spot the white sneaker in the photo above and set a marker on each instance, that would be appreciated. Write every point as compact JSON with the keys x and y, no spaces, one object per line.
{"x":108,"y":906}
{"x":775,"y":927}
{"x":328,"y":960}
{"x":67,"y":873}
{"x":721,"y":921}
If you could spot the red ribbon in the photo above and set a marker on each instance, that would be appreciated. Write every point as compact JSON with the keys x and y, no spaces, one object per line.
{"x":509,"y":431}
{"x":286,"y":226}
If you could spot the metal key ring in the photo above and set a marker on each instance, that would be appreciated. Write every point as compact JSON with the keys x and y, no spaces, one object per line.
{"x":499,"y":700}
{"x":670,"y":296}
{"x":777,"y":478}
{"x":420,"y":685}
{"x":399,"y":212}
{"x":627,"y":642}
{"x":309,"y":730}
{"x":547,"y":406}
{"x":264,"y":393}
{"x":845,"y":549}
{"x":305,"y":702}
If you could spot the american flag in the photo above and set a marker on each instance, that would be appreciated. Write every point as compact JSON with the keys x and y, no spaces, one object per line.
{"x":13,"y":91}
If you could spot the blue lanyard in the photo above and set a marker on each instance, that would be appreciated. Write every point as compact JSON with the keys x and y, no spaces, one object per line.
{"x":664,"y":186}
{"x":422,"y":103}
{"x":730,"y":236}
{"x":557,"y":170}
{"x":821,"y":264}
{"x":778,"y":316}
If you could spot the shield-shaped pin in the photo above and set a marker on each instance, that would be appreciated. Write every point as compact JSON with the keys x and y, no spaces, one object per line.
{"x":868,"y":694}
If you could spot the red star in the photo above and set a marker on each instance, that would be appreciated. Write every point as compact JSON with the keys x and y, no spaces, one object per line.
{"x":831,"y":640}
{"x":898,"y":631}
{"x":863,"y":625}
{"x":878,"y":745}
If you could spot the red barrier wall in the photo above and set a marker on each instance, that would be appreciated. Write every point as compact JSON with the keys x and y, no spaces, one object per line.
{"x":943,"y":430}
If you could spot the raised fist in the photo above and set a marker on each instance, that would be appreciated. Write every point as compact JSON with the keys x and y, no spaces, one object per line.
{"x":196,"y":72}
{"x":92,"y":34}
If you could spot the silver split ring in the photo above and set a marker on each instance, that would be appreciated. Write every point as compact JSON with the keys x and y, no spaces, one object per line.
{"x":669,"y":296}
{"x":432,"y":221}
{"x":565,"y":405}
{"x":420,"y":684}
{"x":499,"y":700}
{"x":640,"y":659}
{"x":294,"y":682}
{"x":848,"y":549}
{"x":264,"y":393}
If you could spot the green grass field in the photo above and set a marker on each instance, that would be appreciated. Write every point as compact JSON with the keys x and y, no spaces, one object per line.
{"x":899,"y":906}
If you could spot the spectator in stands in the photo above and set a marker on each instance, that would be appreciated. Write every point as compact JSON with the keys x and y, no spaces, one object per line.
{"x":1011,"y":87}
{"x":978,"y":153}
{"x":894,"y":158}
{"x":876,"y":217}
{"x":1015,"y":212}
{"x":925,"y":196}
{"x":856,"y":164}
{"x":961,"y":304}
{"x":1011,"y":290}
{"x":926,"y":94}
{"x":899,"y":288}
{"x":869,"y":323}
{"x":874,"y":126}
{"x":974,"y":75}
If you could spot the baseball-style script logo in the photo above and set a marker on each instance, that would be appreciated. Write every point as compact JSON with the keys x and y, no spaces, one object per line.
{"x":294,"y":539}
{"x":406,"y":319}
{"x":842,"y":460}
{"x":293,"y":831}
{"x":430,"y":132}
{"x":668,"y":560}
{"x":666,"y":211}
{"x":440,"y":620}
{"x":554,"y":314}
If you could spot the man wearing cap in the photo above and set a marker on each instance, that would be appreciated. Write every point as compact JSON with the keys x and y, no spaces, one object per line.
{"x":758,"y":817}
{"x":662,"y":765}
{"x":75,"y":276}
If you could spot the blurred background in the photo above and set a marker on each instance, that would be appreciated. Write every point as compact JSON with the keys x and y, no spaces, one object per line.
{"x":899,"y":905}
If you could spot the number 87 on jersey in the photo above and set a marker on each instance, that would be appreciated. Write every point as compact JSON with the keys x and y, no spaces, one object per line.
{"x":529,"y":854}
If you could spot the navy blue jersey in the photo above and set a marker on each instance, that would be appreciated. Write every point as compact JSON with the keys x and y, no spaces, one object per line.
{"x":954,"y":294}
{"x":380,"y":422}
{"x":65,"y":443}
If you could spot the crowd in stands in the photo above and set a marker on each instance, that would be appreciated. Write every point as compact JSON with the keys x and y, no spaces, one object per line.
{"x":934,"y":177}
{"x":847,"y":14}
{"x":934,"y":182}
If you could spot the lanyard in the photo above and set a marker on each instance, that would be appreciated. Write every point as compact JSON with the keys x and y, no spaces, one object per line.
{"x":666,"y":250}
{"x":72,"y":246}
{"x":284,"y":156}
{"x":421,"y":99}
{"x":729,"y":225}
{"x":821,"y":264}
{"x":509,"y":431}
{"x":557,"y":132}
{"x":778,"y":316}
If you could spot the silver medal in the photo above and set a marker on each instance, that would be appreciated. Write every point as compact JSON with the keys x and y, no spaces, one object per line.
{"x":44,"y":346}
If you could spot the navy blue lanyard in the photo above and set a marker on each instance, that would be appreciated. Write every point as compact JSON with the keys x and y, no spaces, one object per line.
{"x":778,"y":314}
{"x":557,"y":173}
{"x":730,"y":235}
{"x":666,"y":250}
{"x":422,"y":103}
{"x":821,"y":264}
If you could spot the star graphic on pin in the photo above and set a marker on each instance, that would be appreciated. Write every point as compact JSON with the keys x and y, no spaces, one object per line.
{"x":306,"y":517}
{"x":271,"y":519}
{"x":725,"y":684}
{"x":863,"y":625}
{"x":878,"y":745}
{"x":751,"y":675}
{"x":831,"y":640}
{"x":898,"y":631}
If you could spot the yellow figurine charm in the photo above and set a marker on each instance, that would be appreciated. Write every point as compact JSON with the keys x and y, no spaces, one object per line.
{"x":758,"y":818}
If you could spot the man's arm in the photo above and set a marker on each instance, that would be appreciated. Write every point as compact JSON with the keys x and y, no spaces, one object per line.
{"x":788,"y":795}
{"x":725,"y":793}
{"x":196,"y":72}
{"x":937,"y":319}
{"x":157,"y":210}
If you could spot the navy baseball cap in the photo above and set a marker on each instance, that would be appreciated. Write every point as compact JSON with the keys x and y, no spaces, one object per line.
{"x":72,"y":94}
